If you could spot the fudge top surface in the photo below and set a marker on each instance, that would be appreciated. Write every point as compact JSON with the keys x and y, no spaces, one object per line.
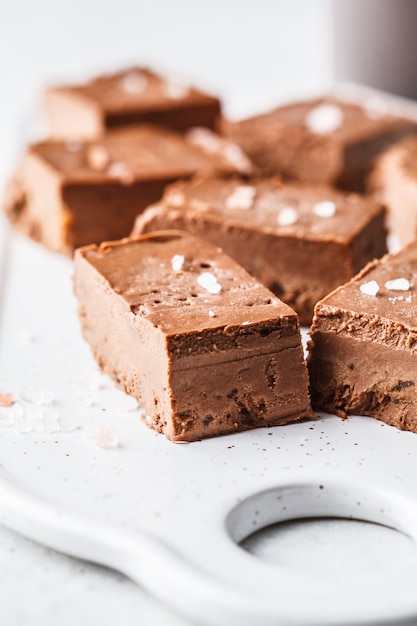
{"x":137,"y":89}
{"x":141,"y":152}
{"x":386,"y":288}
{"x":336,"y":118}
{"x":182,"y":284}
{"x":312,"y":212}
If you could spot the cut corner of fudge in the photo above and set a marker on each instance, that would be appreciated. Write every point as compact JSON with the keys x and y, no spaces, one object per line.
{"x":203,"y":346}
{"x":363,"y":344}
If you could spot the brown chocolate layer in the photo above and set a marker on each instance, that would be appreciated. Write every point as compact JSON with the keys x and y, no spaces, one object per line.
{"x":205,"y":348}
{"x":363,"y":348}
{"x":300,"y":241}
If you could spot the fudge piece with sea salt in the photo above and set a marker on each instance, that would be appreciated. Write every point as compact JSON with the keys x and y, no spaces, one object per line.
{"x":363,"y":348}
{"x":393,"y":182}
{"x":300,"y":241}
{"x":202,"y":345}
{"x":325,"y":140}
{"x":132,"y":96}
{"x":66,"y":194}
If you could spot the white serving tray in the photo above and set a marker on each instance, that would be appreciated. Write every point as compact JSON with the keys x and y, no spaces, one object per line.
{"x":171,"y":516}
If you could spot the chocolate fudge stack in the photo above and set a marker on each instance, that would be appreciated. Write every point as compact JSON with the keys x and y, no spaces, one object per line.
{"x":155,"y":193}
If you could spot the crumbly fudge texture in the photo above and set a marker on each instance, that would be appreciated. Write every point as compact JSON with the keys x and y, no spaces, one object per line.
{"x":320,"y":141}
{"x":393,"y":182}
{"x":300,"y":241}
{"x":363,"y":348}
{"x":201,"y":344}
{"x":66,"y":194}
{"x":132,"y":96}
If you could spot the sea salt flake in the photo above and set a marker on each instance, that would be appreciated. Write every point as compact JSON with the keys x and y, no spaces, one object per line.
{"x":370,"y":288}
{"x":241,"y":198}
{"x":235,"y":155}
{"x":324,"y":119}
{"x":396,"y":299}
{"x":117,"y":169}
{"x":175,"y":91}
{"x":208,"y":281}
{"x":212,"y":314}
{"x":38,"y":419}
{"x":6,"y":399}
{"x":177,"y":262}
{"x":175,"y":198}
{"x":106,"y":438}
{"x":287,"y":216}
{"x":134,"y":82}
{"x":327,"y":208}
{"x":204,"y":139}
{"x":398,"y":284}
{"x":98,"y":158}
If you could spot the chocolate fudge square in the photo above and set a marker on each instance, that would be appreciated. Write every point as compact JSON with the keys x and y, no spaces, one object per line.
{"x":363,"y":348}
{"x":131,"y":96}
{"x":393,"y":182}
{"x":183,"y":328}
{"x":66,"y":194}
{"x":300,"y":241}
{"x":325,"y":140}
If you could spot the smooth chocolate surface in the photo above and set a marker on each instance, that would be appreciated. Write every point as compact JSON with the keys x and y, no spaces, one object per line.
{"x":300,"y":241}
{"x":363,"y":348}
{"x":202,"y":345}
{"x":70,"y":193}
{"x":132,"y":96}
{"x":320,"y":141}
{"x":393,"y":182}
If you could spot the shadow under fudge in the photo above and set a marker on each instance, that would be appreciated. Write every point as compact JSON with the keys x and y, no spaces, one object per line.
{"x":202,"y":345}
